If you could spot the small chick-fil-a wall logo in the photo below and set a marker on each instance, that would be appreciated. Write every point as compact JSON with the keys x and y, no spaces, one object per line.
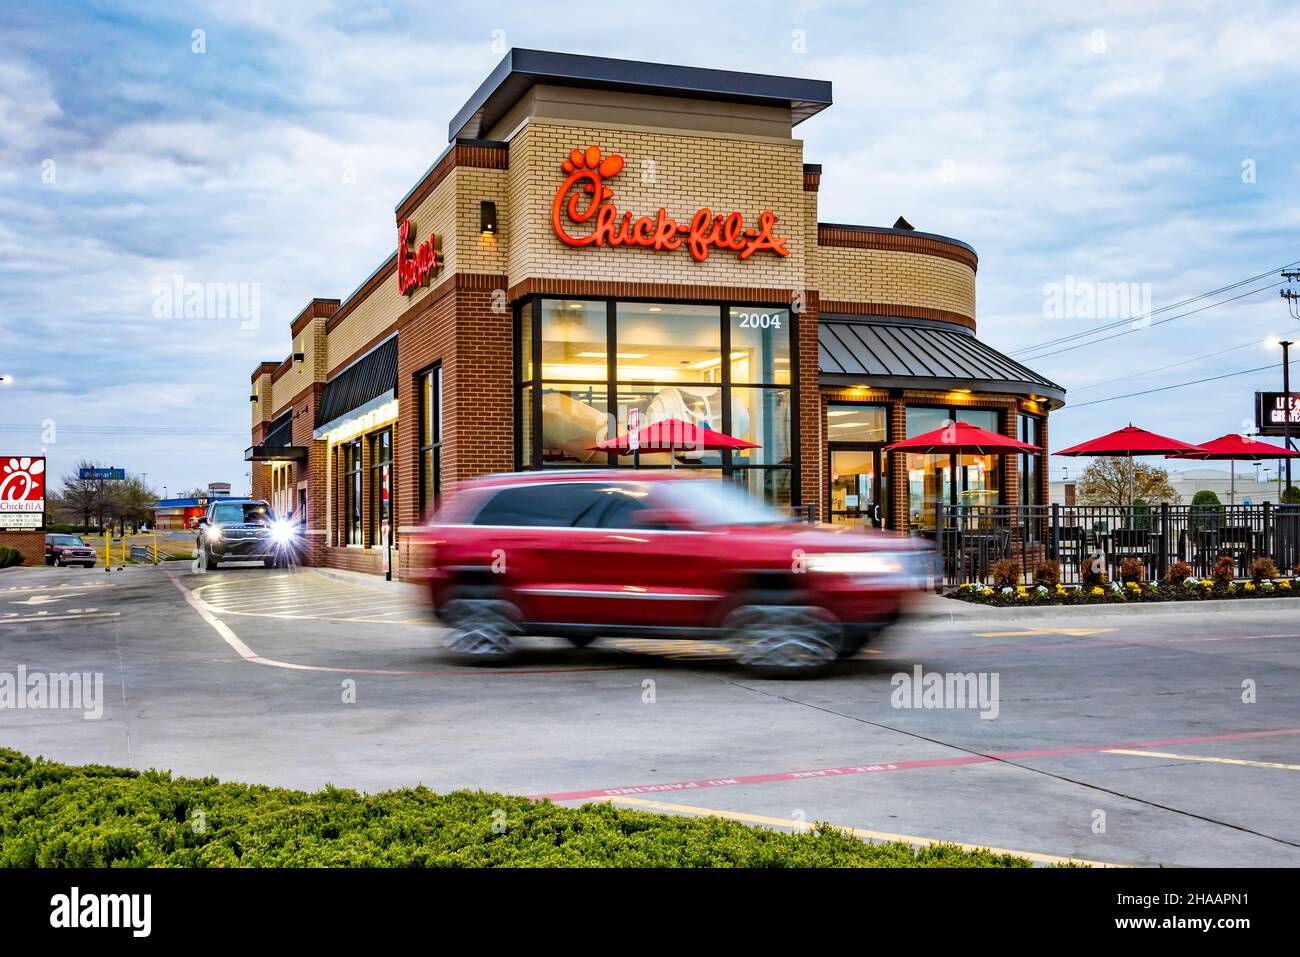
{"x":414,"y":266}
{"x":606,"y":226}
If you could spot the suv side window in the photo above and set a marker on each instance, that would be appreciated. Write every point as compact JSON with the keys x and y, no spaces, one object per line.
{"x":620,"y":508}
{"x":557,"y":505}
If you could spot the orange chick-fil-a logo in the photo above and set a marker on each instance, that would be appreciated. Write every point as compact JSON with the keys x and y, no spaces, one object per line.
{"x":588,"y":173}
{"x":414,"y":265}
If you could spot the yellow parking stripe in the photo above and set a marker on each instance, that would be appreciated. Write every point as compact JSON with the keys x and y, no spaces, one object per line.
{"x":1207,"y":760}
{"x":859,"y":832}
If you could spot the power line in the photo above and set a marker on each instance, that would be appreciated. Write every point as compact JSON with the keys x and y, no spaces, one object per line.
{"x":1166,"y":388}
{"x":1151,"y":325}
{"x":1175,"y":305}
{"x":120,"y":430}
{"x":1172,"y":365}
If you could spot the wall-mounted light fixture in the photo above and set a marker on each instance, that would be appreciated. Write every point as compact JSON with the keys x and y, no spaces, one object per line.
{"x":487,"y":217}
{"x":299,"y":357}
{"x":252,"y":398}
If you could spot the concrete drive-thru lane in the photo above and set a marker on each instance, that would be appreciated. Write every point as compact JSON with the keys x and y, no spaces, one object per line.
{"x":1155,"y":739}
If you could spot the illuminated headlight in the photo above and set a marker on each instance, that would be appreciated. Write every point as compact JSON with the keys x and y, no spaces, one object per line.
{"x":282,"y":533}
{"x":857,"y":563}
{"x":212,"y":533}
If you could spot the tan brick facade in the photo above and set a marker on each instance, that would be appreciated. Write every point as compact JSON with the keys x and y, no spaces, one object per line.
{"x":463,"y":319}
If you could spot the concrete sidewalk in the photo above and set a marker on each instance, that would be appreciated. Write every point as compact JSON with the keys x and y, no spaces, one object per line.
{"x":377,"y":582}
{"x":932,"y":607}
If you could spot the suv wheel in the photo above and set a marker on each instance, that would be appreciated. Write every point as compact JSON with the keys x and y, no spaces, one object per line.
{"x":784,"y":641}
{"x":206,"y":562}
{"x":480,"y":629}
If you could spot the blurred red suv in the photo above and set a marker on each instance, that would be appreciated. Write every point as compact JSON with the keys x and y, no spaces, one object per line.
{"x":586,"y":554}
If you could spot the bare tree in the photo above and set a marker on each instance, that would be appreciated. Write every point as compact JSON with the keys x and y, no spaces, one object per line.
{"x":1105,"y":482}
{"x":85,"y":499}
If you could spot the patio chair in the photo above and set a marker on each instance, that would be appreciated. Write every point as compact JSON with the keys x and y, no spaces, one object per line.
{"x":1132,"y":543}
{"x":1071,"y":544}
{"x":1237,"y":541}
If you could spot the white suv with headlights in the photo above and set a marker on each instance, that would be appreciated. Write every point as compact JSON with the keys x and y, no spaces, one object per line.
{"x":243,"y":529}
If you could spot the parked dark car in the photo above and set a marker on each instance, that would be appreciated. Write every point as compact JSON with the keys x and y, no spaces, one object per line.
{"x":239,"y":529}
{"x":68,"y":550}
{"x":586,"y":554}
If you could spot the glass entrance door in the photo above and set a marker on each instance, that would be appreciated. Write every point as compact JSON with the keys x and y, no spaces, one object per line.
{"x":858,"y":486}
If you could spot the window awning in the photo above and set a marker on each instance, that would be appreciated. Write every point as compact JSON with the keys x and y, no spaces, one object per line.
{"x":892,"y":353}
{"x":370,"y":377}
{"x":281,"y":430}
{"x":276,"y":453}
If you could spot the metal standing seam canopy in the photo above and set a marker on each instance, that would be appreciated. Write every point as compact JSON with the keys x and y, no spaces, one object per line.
{"x":919,"y":353}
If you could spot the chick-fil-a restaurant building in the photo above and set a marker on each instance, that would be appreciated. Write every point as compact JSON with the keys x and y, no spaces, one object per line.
{"x":606,"y":244}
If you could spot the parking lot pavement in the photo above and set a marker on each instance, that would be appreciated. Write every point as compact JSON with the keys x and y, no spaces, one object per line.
{"x":1153,"y":740}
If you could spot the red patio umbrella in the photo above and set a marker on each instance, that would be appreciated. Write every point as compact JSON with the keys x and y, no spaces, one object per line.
{"x":672,"y":435}
{"x":1130,"y":441}
{"x":1236,"y":448}
{"x":961,"y":438}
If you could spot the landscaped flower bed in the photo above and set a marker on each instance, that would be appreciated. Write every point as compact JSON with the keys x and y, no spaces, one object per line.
{"x":1007,"y":588}
{"x":1110,"y":593}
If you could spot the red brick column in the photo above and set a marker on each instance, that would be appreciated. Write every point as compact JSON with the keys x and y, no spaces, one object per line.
{"x":478,"y":394}
{"x":812,"y":434}
{"x":1011,"y":462}
{"x":898,"y":463}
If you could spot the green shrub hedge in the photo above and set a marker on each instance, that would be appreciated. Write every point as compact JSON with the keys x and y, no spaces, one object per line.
{"x":55,"y":815}
{"x":10,"y":556}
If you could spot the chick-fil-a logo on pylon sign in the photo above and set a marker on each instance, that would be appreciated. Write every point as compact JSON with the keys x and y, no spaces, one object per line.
{"x":588,"y":174}
{"x":22,"y":491}
{"x":414,"y":265}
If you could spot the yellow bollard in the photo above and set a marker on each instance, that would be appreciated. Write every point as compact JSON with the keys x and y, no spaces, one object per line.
{"x":108,"y":549}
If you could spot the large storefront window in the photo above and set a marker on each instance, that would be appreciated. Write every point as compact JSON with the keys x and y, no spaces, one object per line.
{"x":590,"y":370}
{"x":350,"y":468}
{"x":430,"y":392}
{"x":856,"y":435}
{"x":1031,"y":463}
{"x":381,"y":499}
{"x":949,"y":479}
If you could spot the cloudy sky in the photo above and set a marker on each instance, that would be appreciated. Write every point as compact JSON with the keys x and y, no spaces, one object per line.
{"x":1076,"y":149}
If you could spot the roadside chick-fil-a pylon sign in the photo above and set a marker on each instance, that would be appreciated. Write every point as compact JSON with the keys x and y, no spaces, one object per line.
{"x":415,"y":263}
{"x":599,"y":222}
{"x":22,"y":492}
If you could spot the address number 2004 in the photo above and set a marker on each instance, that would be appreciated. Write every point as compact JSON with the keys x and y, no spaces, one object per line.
{"x":760,"y":320}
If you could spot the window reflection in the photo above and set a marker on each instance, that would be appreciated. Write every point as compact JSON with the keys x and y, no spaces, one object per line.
{"x":856,"y":423}
{"x":663,"y":342}
{"x":762,"y":416}
{"x":574,"y":416}
{"x":698,"y":405}
{"x":573,"y":340}
{"x":760,"y":345}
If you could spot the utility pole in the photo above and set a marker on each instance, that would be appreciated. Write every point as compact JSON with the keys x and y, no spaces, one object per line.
{"x":1286,"y":345}
{"x":1291,"y":294}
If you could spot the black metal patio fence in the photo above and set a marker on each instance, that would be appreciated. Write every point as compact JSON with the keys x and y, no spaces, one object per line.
{"x":970,"y":538}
